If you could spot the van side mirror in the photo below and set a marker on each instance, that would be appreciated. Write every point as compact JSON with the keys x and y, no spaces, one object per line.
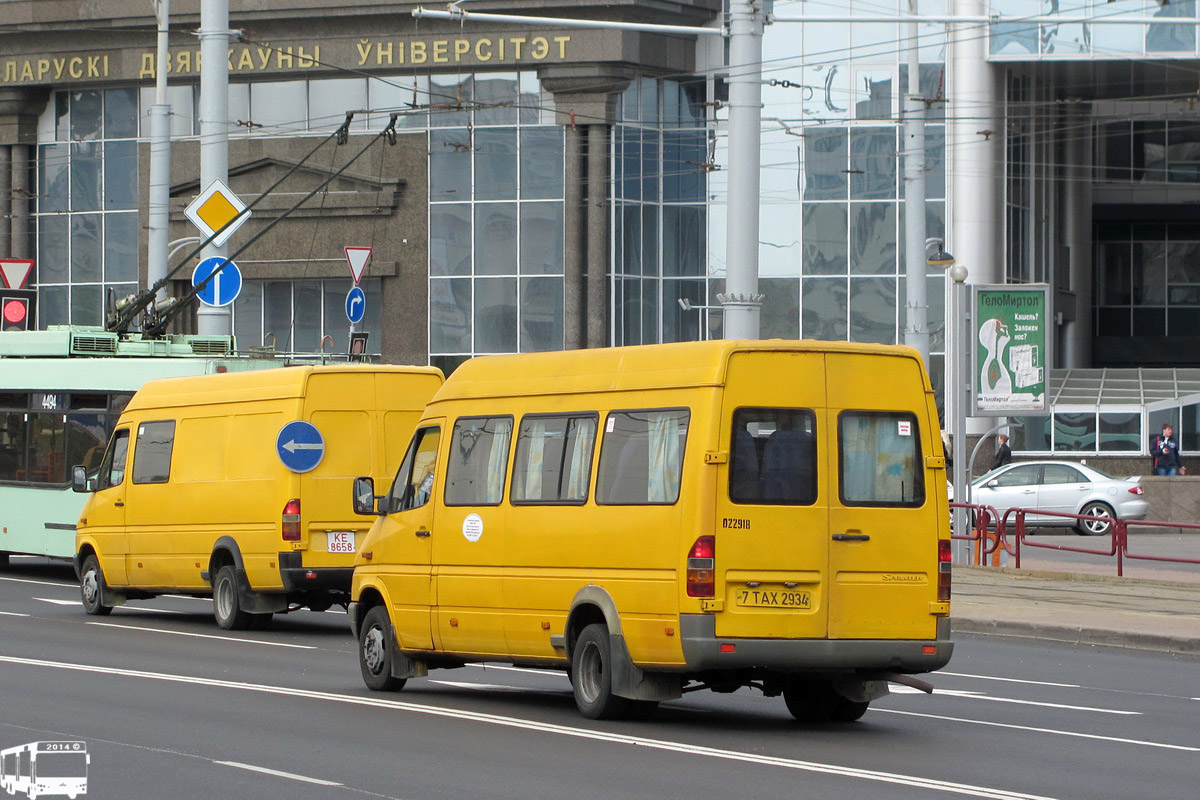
{"x":365,"y":501}
{"x":80,"y":482}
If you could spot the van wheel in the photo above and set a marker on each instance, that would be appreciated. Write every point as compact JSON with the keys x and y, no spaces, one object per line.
{"x":849,"y":710}
{"x":90,"y":584}
{"x":591,"y":666}
{"x":812,"y":700}
{"x":228,"y":613}
{"x":375,"y":652}
{"x":260,"y":622}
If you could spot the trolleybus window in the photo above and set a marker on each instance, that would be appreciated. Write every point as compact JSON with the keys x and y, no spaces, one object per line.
{"x":774,"y":457}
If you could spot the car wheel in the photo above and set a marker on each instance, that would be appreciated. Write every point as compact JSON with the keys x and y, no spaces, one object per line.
{"x":1091,"y":527}
{"x":375,"y":652}
{"x":91,"y":582}
{"x":226,"y":609}
{"x":591,"y":666}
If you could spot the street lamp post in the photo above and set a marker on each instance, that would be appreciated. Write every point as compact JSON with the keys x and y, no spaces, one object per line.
{"x":958,"y":398}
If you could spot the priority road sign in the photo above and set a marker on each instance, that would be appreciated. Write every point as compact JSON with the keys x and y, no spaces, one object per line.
{"x":300,"y":446}
{"x":224,"y":287}
{"x":356,"y":305}
{"x":215,"y":207}
{"x":357,"y":257}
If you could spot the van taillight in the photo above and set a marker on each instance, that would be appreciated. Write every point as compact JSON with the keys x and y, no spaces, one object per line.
{"x":291,"y":521}
{"x":944,"y":567}
{"x":700,"y":569}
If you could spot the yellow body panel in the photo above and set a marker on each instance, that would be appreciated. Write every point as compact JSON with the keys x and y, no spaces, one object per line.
{"x":498,"y":580}
{"x":226,"y":479}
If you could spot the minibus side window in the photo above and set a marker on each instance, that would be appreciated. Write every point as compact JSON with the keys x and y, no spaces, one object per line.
{"x":152,"y":453}
{"x":478,"y":461}
{"x":879,"y":458}
{"x":553,"y":463}
{"x":641,"y":459}
{"x":773,"y":458}
{"x":112,"y":469}
{"x":414,"y":480}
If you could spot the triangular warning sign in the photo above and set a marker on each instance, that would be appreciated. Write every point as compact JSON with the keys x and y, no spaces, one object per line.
{"x":358,"y":258}
{"x":15,"y":271}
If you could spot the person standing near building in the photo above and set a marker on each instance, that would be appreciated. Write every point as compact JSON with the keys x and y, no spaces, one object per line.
{"x":1165,"y":450}
{"x":1003,"y":452}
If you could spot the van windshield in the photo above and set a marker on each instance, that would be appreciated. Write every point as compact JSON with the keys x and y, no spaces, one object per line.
{"x":773,"y":456}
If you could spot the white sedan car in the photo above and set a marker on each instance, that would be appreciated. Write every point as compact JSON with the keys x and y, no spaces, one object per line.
{"x":1061,"y":486}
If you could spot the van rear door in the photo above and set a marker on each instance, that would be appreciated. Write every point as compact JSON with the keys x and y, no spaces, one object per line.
{"x":772,"y":545}
{"x":883,"y":522}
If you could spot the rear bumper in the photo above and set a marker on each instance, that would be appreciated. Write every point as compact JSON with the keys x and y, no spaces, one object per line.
{"x":702,"y":651}
{"x":299,"y":578}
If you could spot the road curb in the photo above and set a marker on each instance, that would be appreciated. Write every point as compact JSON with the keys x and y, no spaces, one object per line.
{"x":1072,"y":634}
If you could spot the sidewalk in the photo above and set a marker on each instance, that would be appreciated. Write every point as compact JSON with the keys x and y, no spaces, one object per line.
{"x":1077,"y":608}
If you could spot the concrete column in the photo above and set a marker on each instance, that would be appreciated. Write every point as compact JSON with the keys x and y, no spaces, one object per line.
{"x":574,"y":243}
{"x":22,"y":158}
{"x":5,"y":200}
{"x":598,"y":312}
{"x":1077,"y":213}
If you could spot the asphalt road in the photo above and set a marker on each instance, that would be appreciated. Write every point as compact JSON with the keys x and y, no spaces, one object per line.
{"x":172,"y":707}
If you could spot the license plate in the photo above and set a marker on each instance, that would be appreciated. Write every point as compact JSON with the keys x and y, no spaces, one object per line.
{"x":341,"y":541}
{"x":773,"y":598}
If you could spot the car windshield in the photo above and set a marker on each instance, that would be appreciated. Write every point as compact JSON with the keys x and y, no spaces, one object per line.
{"x":987,"y":476}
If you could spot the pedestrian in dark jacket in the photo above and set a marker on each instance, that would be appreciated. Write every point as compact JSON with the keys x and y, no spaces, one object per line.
{"x":1165,"y":450}
{"x":1003,"y":452}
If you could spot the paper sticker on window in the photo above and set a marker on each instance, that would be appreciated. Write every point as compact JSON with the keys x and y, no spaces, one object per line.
{"x":612,"y":423}
{"x":905,"y":427}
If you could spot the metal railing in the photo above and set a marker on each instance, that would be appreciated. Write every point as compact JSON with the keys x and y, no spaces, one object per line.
{"x":1010,"y":535}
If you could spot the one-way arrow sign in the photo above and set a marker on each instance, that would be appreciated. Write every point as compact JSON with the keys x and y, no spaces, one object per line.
{"x":300,"y":446}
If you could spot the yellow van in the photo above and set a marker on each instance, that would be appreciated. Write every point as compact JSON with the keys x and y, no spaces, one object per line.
{"x":662,"y":518}
{"x":233,"y":486}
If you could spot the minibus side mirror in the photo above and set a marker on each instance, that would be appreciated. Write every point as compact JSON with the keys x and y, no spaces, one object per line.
{"x":365,"y":501}
{"x":80,"y":482}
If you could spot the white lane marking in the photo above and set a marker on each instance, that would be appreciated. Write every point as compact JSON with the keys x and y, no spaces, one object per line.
{"x":1040,"y":730}
{"x":202,"y":635}
{"x":40,"y":583}
{"x":12,"y":614}
{"x":551,"y":728}
{"x":1009,"y":680}
{"x":553,"y":673}
{"x":981,"y":696}
{"x":57,"y":602}
{"x":277,"y":773}
{"x":152,"y":610}
{"x":486,"y":686}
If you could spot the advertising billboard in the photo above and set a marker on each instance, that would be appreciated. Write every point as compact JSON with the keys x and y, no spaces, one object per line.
{"x":1011,"y":350}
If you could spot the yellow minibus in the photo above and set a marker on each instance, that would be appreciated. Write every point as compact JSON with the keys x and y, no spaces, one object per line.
{"x":662,"y":518}
{"x":233,"y":486}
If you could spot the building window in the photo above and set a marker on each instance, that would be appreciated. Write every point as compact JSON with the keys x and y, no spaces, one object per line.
{"x":303,"y":315}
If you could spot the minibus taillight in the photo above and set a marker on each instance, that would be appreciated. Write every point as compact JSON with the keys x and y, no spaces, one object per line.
{"x":700,"y":571}
{"x":291,"y":521}
{"x":944,"y":567}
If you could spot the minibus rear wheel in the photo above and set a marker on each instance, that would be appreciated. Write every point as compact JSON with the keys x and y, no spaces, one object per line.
{"x":591,"y":668}
{"x":228,"y":612}
{"x":812,"y":700}
{"x":375,"y":652}
{"x":90,"y":588}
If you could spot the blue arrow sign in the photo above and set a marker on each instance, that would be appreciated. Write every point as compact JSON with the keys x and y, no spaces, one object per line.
{"x":356,"y":305}
{"x":300,"y":446}
{"x":224,"y":288}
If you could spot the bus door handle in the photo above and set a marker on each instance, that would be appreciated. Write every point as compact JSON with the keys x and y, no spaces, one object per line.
{"x":119,"y":503}
{"x":851,"y":537}
{"x":423,"y":532}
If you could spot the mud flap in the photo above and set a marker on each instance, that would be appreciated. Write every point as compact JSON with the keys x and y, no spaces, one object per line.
{"x":253,"y":602}
{"x":634,"y":683}
{"x":857,"y":690}
{"x":402,"y":665}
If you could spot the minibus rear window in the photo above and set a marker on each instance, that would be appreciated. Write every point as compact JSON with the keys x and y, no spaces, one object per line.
{"x":478,"y":461}
{"x":641,"y":460}
{"x":879,"y":457}
{"x":553,"y":464}
{"x":773,"y":459}
{"x":152,"y":453}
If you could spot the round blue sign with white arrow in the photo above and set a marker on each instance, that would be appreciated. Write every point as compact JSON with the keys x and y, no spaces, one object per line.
{"x":224,"y":287}
{"x":356,"y":305}
{"x":300,"y":446}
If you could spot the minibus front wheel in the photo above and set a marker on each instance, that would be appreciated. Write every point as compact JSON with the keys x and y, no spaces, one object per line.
{"x":91,"y":589}
{"x":376,"y":652}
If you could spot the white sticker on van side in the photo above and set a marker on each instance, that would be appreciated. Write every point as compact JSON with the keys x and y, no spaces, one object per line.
{"x":473,"y":527}
{"x":612,"y":423}
{"x":905,"y":427}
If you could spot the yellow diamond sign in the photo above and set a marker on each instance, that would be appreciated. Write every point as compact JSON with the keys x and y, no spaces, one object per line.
{"x":213,"y":209}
